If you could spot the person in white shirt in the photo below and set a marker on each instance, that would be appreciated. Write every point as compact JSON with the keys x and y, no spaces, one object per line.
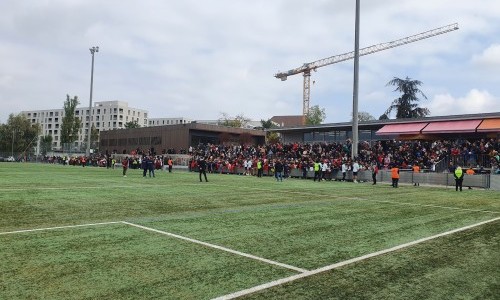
{"x":355,"y":169}
{"x":345,"y":168}
{"x":324,"y":168}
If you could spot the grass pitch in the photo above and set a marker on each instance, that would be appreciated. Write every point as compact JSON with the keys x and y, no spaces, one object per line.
{"x":88,"y":233}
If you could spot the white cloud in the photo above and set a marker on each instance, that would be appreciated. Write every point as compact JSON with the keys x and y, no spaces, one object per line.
{"x":475,"y":101}
{"x":195,"y":59}
{"x":489,"y":58}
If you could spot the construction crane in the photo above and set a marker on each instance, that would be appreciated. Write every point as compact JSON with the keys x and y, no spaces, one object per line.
{"x":307,"y":67}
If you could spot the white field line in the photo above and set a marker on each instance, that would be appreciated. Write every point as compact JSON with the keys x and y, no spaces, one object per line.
{"x":427,"y":205}
{"x":219,"y":247}
{"x":58,"y":227}
{"x":364,"y":199}
{"x":344,"y":263}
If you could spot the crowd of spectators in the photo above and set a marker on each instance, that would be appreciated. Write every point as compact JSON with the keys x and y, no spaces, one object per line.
{"x":483,"y":152}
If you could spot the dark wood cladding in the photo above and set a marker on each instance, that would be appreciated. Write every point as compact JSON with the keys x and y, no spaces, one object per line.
{"x":178,"y":137}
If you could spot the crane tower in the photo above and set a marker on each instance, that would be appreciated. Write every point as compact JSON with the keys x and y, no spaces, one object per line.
{"x":307,"y":67}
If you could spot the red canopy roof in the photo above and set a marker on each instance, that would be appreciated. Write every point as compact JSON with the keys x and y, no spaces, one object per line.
{"x":452,"y":126}
{"x":407,"y":128}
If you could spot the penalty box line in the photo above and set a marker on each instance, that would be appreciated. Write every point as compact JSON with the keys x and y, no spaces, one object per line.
{"x":268,"y":261}
{"x":164,"y":233}
{"x":345,"y":263}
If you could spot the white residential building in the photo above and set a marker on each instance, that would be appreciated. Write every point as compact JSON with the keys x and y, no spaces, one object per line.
{"x":106,"y":115}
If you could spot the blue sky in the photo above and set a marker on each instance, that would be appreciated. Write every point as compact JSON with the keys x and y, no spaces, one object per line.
{"x":199,"y":59}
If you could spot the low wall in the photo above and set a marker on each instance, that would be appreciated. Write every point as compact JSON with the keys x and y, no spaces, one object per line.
{"x":444,"y":179}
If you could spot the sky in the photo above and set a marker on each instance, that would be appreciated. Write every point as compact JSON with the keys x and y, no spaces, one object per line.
{"x":201,"y":59}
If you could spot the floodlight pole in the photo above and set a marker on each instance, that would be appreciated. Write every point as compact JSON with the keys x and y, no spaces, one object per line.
{"x":93,"y":50}
{"x":355,"y":138}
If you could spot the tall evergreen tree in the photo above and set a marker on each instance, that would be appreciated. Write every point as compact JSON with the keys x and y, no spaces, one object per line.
{"x":71,"y":124}
{"x":406,"y":105}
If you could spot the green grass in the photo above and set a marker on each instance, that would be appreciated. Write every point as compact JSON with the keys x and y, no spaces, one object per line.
{"x":301,"y":223}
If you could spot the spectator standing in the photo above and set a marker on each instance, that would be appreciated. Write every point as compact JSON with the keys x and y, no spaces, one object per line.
{"x":202,"y":168}
{"x":416,"y":174}
{"x":151,"y":166}
{"x":459,"y":178}
{"x":144,"y":166}
{"x":374,"y":173}
{"x":317,"y":168}
{"x":125,"y":163}
{"x":278,"y":169}
{"x":470,"y":171}
{"x":345,"y":168}
{"x":259,"y":168}
{"x":395,"y":176}
{"x":304,"y":166}
{"x":170,"y":163}
{"x":355,"y":169}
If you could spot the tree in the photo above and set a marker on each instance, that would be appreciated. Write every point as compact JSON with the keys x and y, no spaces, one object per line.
{"x":70,"y":123}
{"x":132,"y":124}
{"x":271,"y":137}
{"x":406,"y":106}
{"x":45,"y":144}
{"x":365,"y":116}
{"x":18,"y":135}
{"x":239,"y":121}
{"x":383,"y":117}
{"x":267,"y":124}
{"x":315,"y":116}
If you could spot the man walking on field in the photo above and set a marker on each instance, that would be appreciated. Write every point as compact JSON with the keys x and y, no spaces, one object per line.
{"x":125,"y":166}
{"x":202,"y":168}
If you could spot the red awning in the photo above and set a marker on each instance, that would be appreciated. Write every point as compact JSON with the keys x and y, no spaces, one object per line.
{"x":452,"y":126}
{"x":489,"y":125}
{"x":407,"y":128}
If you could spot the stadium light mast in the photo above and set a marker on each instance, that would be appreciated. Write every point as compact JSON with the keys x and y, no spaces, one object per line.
{"x":93,"y":50}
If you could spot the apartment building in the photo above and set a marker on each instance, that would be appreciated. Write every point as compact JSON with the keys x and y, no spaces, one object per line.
{"x":168,"y":121}
{"x":106,"y":115}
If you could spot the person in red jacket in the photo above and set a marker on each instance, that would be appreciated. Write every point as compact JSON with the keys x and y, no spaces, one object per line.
{"x":125,"y":166}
